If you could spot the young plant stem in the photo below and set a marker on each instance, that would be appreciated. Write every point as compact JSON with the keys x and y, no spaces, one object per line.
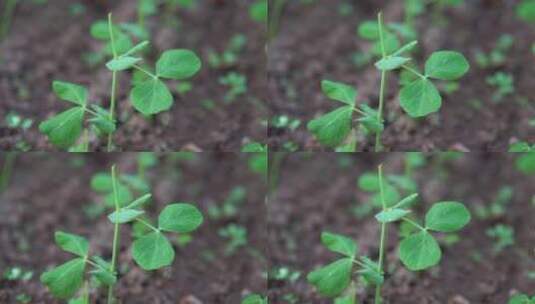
{"x":273,"y":22}
{"x":378,"y":298}
{"x":6,"y":19}
{"x":85,"y":293}
{"x":9,"y":161}
{"x":113,"y":80}
{"x":378,"y":145}
{"x":115,"y":232}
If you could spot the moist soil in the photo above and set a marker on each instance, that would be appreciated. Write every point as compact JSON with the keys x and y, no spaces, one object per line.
{"x":316,"y":42}
{"x":318,"y":193}
{"x":49,"y":191}
{"x":47,"y":43}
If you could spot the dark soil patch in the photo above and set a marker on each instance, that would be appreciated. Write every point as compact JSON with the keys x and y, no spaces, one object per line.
{"x":48,"y":193}
{"x":315,"y":42}
{"x":46,"y":43}
{"x":318,"y":193}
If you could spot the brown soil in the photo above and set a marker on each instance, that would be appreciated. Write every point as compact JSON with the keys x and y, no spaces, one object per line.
{"x":48,"y":193}
{"x":318,"y":192}
{"x":315,"y":42}
{"x":46,"y":43}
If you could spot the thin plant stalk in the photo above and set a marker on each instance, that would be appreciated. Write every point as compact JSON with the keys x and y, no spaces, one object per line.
{"x":85,"y":294}
{"x":378,"y":145}
{"x":378,"y":298}
{"x":113,"y":80}
{"x":6,"y":170}
{"x":273,"y":22}
{"x":116,"y":240}
{"x":6,"y":19}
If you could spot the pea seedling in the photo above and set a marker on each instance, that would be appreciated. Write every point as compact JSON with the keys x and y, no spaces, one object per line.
{"x":417,"y":251}
{"x":150,"y":251}
{"x":148,"y":96}
{"x":521,"y":299}
{"x":418,"y":98}
{"x":504,"y":84}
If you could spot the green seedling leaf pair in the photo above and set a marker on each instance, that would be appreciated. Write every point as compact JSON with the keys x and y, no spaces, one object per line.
{"x":418,"y":250}
{"x":332,"y":128}
{"x":65,"y":128}
{"x":65,"y":280}
{"x":152,"y":95}
{"x":331,"y":280}
{"x":420,"y":97}
{"x":153,"y":250}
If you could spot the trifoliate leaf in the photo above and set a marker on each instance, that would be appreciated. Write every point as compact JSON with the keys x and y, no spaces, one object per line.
{"x":419,"y":251}
{"x":446,"y":65}
{"x":332,"y":279}
{"x":420,"y":98}
{"x":339,"y":91}
{"x":447,"y":217}
{"x":72,"y":243}
{"x":64,"y":129}
{"x":391,"y":63}
{"x":122,"y":63}
{"x":332,"y":128}
{"x":339,"y":243}
{"x":65,"y":280}
{"x":151,"y":97}
{"x":153,"y":251}
{"x":178,"y":64}
{"x":391,"y":215}
{"x":70,"y":92}
{"x":124,"y":215}
{"x":180,"y":217}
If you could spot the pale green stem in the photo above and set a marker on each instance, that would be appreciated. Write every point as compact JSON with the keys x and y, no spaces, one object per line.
{"x":378,"y":298}
{"x":147,"y":224}
{"x":86,"y":292}
{"x":413,"y":71}
{"x":113,"y":80}
{"x":7,"y":169}
{"x":413,"y":223}
{"x":115,"y":232}
{"x":144,"y":71}
{"x":8,"y":16}
{"x":378,"y":145}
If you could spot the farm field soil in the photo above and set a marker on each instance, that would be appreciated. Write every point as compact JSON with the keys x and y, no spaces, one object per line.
{"x":318,"y":193}
{"x":316,"y":42}
{"x":49,"y":192}
{"x":47,"y":43}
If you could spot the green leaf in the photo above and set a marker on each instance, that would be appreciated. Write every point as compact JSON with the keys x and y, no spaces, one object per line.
{"x":64,"y":129}
{"x":178,"y":64}
{"x":371,"y":272}
{"x":407,"y":47}
{"x":70,"y":92}
{"x":391,"y":63}
{"x":140,"y":201}
{"x":254,"y":299}
{"x":447,"y":217}
{"x":526,"y":10}
{"x":105,"y":276}
{"x":122,"y":63}
{"x":391,"y":215}
{"x":72,"y":243}
{"x":332,"y":128}
{"x":369,"y":181}
{"x":521,"y":147}
{"x":526,"y":163}
{"x":153,"y":251}
{"x":151,"y":97}
{"x":370,"y":120}
{"x":391,"y":44}
{"x":391,"y":195}
{"x":368,"y":30}
{"x":259,"y":11}
{"x":137,"y":48}
{"x":406,"y":201}
{"x":339,"y":243}
{"x":124,"y":196}
{"x":419,"y":251}
{"x":104,"y":124}
{"x":99,"y":30}
{"x":254,"y":147}
{"x":102,"y":182}
{"x":64,"y":280}
{"x":124,"y":215}
{"x":180,"y":217}
{"x":420,"y":98}
{"x":332,"y":279}
{"x":446,"y":65}
{"x":339,"y":91}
